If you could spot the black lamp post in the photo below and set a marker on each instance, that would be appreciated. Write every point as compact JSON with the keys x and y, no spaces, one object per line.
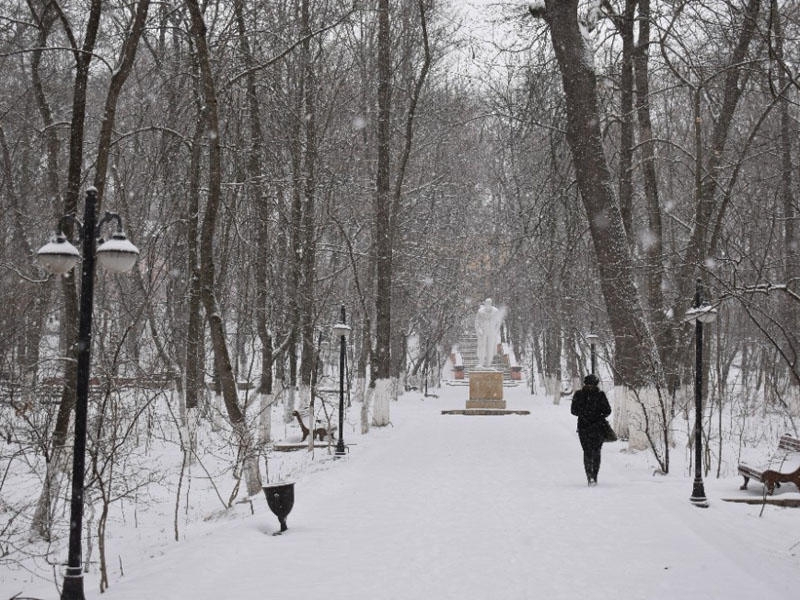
{"x":533,"y":379}
{"x":592,"y":337}
{"x":340,"y":330}
{"x":425,"y":370}
{"x":701,"y":312}
{"x":59,"y":256}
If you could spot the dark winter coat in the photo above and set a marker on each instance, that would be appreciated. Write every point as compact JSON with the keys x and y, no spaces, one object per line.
{"x":591,"y":406}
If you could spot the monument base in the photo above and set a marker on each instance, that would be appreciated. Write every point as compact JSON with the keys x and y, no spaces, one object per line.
{"x":485,"y":411}
{"x":486,"y":390}
{"x":486,"y":403}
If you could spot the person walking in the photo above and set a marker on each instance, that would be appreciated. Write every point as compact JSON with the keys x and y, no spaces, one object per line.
{"x":591,"y":407}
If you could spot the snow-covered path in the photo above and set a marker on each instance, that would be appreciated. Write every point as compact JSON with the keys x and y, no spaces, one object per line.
{"x":466,"y":507}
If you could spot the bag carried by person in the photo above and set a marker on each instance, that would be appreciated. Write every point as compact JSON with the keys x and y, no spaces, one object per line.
{"x":609,"y":435}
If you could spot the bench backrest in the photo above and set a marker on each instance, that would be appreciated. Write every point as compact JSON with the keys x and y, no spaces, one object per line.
{"x":789,"y":443}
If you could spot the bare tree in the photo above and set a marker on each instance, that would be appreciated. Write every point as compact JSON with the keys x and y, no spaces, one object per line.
{"x":222,"y":360}
{"x":387,"y":202}
{"x":120,"y":74}
{"x":637,"y":360}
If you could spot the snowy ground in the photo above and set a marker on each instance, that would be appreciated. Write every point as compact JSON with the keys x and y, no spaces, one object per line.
{"x":449,"y":506}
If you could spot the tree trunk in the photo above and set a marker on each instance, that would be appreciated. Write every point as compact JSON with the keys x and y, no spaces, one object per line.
{"x":387,"y":204}
{"x":654,"y":237}
{"x":790,"y":248}
{"x":708,"y":173}
{"x":636,"y":358}
{"x":222,"y":360}
{"x":118,"y":78}
{"x":195,"y":347}
{"x":296,"y":241}
{"x":255,"y":178}
{"x":383,"y":234}
{"x":708,"y":176}
{"x":309,"y":244}
{"x":70,"y":321}
{"x":625,"y":26}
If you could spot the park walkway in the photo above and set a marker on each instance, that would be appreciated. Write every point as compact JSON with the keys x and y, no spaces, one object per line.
{"x":445,"y":506}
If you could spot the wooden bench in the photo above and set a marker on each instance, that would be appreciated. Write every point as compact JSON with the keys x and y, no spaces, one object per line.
{"x":783,"y":466}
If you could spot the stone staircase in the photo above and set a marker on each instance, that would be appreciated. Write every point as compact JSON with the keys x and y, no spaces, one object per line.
{"x":468,"y":347}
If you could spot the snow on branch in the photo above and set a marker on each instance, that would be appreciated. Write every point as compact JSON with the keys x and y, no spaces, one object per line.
{"x":763,"y":288}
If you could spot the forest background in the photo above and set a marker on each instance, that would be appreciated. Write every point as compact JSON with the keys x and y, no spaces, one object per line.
{"x":582,"y":163}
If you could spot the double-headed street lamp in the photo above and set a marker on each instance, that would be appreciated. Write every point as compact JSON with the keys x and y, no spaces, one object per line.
{"x":59,"y":256}
{"x":340,"y":330}
{"x":701,"y":312}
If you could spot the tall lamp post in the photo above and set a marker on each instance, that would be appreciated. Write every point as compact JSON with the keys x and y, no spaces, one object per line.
{"x":592,"y":337}
{"x":59,"y":256}
{"x":701,"y":312}
{"x":340,"y":330}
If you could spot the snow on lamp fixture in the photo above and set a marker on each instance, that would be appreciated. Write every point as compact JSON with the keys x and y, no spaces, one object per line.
{"x":117,"y":255}
{"x":709,"y":314}
{"x":340,"y":329}
{"x":58,"y":256}
{"x":705,"y":313}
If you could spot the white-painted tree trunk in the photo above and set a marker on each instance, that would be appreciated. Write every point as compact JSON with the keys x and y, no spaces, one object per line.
{"x":620,"y":412}
{"x":637,"y":438}
{"x":265,"y":419}
{"x":288,"y":407}
{"x":793,"y":400}
{"x":358,"y":389}
{"x":250,"y":471}
{"x":362,"y":395}
{"x":553,"y":388}
{"x":636,"y":406}
{"x":382,"y":396}
{"x":647,"y":420}
{"x":41,"y":524}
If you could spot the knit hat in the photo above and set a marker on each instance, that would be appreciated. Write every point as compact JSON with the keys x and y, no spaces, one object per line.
{"x":591,"y":380}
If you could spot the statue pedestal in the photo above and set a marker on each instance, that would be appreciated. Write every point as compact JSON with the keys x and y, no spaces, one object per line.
{"x":486,"y":390}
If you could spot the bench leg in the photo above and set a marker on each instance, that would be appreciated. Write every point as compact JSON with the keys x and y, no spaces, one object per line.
{"x":744,"y":485}
{"x":770,"y":480}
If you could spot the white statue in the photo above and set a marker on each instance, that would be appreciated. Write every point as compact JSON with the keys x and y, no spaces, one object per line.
{"x":487,"y":326}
